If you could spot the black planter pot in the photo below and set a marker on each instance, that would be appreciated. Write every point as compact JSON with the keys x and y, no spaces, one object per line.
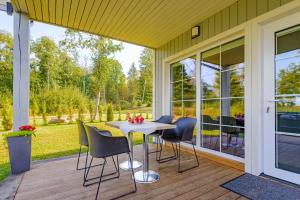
{"x":19,"y":148}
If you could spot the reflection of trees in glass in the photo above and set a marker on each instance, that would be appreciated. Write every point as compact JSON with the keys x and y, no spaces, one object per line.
{"x":183,"y":88}
{"x":288,"y":81}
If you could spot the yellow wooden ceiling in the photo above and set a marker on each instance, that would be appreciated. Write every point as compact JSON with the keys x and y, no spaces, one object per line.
{"x":149,"y":23}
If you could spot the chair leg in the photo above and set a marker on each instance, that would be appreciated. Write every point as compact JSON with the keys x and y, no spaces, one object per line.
{"x":105,"y":175}
{"x":101,"y":176}
{"x":86,"y":159}
{"x":79,"y":153}
{"x":179,"y":170}
{"x":166,"y":159}
{"x":85,"y":166}
{"x":100,"y":179}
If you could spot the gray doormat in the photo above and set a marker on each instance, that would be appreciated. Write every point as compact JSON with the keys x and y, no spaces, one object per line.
{"x":258,"y":188}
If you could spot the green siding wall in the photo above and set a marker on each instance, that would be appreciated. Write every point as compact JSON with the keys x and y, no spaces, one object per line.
{"x":237,"y":13}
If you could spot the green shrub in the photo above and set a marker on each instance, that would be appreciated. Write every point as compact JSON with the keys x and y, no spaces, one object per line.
{"x":100,"y":112}
{"x":34,"y":110}
{"x":7,"y":114}
{"x":120,"y":114}
{"x":147,"y":115}
{"x":110,"y":113}
{"x":125,"y":104}
{"x":91,"y":110}
{"x":44,"y":112}
{"x":139,"y":103}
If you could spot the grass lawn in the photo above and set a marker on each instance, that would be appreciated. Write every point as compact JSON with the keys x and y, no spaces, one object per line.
{"x":51,"y":142}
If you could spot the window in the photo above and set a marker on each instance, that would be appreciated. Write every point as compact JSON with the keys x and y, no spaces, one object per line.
{"x":183,"y":88}
{"x":222,"y":98}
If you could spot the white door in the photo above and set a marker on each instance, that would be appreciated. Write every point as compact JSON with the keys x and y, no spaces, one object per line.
{"x":281,"y":75}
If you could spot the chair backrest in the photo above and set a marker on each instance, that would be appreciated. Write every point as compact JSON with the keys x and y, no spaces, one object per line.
{"x":208,"y":119}
{"x":83,"y":140}
{"x":98,"y":147}
{"x":185,"y":128}
{"x":166,"y":119}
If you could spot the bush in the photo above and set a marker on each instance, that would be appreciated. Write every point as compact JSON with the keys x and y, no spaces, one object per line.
{"x":139,"y":103}
{"x":110,"y":113}
{"x":124,"y":104}
{"x":7,"y":114}
{"x":34,"y":109}
{"x":120,"y":114}
{"x":91,"y":110}
{"x":44,"y":112}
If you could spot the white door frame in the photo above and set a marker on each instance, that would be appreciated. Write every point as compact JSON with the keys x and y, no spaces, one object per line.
{"x":269,"y":96}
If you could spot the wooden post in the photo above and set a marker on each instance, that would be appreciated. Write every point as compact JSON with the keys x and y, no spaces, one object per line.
{"x":21,"y":70}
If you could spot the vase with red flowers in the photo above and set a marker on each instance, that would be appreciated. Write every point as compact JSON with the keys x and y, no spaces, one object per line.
{"x":19,"y":147}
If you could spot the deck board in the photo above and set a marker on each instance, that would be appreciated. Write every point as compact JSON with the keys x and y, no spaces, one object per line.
{"x":59,"y":180}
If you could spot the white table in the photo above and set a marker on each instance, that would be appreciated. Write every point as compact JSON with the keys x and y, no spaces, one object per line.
{"x":145,"y":175}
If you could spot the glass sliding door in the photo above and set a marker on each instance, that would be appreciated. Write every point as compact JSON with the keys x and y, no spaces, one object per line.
{"x":183,"y":88}
{"x":222,"y":98}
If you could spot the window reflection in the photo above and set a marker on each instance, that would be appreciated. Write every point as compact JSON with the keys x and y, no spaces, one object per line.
{"x":183,"y":87}
{"x":222,"y":93}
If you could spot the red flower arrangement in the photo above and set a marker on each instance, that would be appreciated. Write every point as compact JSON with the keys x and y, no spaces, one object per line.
{"x":27,"y":128}
{"x":135,"y":120}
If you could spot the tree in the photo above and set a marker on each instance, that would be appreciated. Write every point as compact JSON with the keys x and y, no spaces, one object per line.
{"x":102,"y":51}
{"x":6,"y":62}
{"x":132,"y":83}
{"x":115,"y":79}
{"x":46,"y":59}
{"x":146,"y":64}
{"x":288,"y":81}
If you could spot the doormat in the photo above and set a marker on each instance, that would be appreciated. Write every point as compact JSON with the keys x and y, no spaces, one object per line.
{"x":258,"y":188}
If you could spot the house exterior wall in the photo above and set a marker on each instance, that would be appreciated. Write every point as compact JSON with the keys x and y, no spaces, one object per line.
{"x":228,"y":18}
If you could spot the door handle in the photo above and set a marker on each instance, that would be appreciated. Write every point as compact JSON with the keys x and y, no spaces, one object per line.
{"x":268,"y":109}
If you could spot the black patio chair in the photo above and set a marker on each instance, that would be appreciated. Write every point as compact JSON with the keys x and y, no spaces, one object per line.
{"x":165,"y":119}
{"x":103,"y":145}
{"x":230,"y":129}
{"x":210,"y":124}
{"x":182,"y":133}
{"x":83,"y":141}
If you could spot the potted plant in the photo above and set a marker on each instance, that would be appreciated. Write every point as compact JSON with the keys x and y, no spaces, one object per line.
{"x":19,"y":147}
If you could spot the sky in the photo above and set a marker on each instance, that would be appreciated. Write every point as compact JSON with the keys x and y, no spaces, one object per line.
{"x":130,"y":53}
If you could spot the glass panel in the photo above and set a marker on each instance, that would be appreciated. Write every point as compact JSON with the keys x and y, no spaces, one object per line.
{"x":210,"y":136}
{"x":288,"y":148}
{"x":232,"y":83}
{"x":189,"y":68}
{"x":288,"y":73}
{"x":189,"y":89}
{"x":232,"y":54}
{"x":176,"y":109}
{"x":233,"y":140}
{"x":287,"y":90}
{"x":176,"y":91}
{"x":288,"y":115}
{"x":210,"y":84}
{"x":210,"y":111}
{"x":176,"y":72}
{"x":189,"y":108}
{"x":233,"y":112}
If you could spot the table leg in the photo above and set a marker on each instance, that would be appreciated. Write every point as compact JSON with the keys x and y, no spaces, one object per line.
{"x":146,"y":175}
{"x":127,"y":164}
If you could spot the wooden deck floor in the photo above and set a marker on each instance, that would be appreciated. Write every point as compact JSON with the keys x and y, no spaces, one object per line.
{"x":59,"y":180}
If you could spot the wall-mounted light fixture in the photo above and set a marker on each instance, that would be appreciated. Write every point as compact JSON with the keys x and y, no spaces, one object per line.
{"x":195,"y":32}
